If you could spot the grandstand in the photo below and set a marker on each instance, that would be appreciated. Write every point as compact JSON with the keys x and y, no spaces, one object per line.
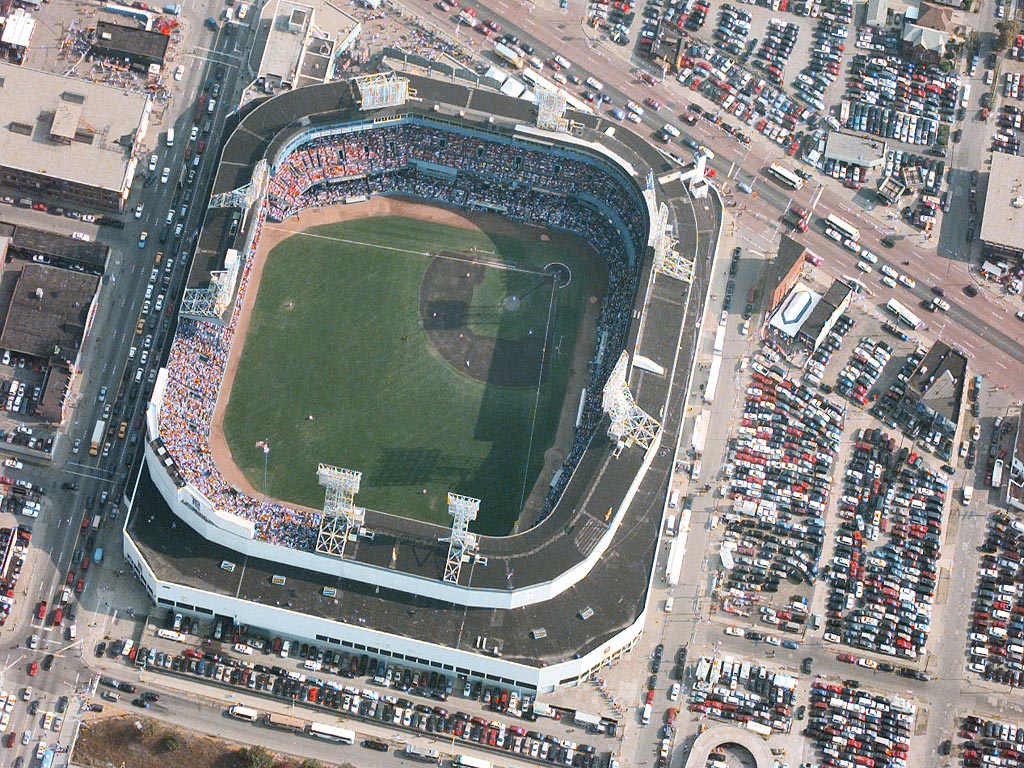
{"x":591,"y":184}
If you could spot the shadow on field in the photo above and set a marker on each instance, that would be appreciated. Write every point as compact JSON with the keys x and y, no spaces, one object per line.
{"x":420,"y":466}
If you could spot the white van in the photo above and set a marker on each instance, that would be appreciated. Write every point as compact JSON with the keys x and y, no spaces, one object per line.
{"x":597,"y":85}
{"x":170,"y":137}
{"x":669,"y":603}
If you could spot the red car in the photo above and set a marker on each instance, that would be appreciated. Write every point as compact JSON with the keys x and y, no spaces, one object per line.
{"x":70,"y":579}
{"x":9,"y":741}
{"x":653,"y":104}
{"x":80,"y":586}
{"x":41,"y":610}
{"x":33,"y":668}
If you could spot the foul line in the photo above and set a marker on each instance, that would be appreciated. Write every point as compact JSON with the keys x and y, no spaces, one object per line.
{"x":536,"y":399}
{"x":493,"y":263}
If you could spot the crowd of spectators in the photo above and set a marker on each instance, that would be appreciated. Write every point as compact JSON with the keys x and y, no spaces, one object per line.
{"x":521,"y":183}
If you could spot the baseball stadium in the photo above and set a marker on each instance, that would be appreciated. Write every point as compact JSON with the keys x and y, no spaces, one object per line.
{"x":427,"y":380}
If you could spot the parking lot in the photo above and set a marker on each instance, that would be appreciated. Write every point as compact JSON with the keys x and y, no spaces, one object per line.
{"x":881,"y":598}
{"x":854,"y":727}
{"x":729,"y":689}
{"x":996,"y":640}
{"x":988,"y":742}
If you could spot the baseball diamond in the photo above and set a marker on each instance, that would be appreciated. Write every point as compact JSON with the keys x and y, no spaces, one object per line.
{"x":433,"y":357}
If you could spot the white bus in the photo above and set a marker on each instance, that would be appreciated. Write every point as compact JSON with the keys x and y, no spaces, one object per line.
{"x":331,"y":733}
{"x":464,"y":761}
{"x":785,"y":176}
{"x":903,"y":314}
{"x":847,"y":230}
{"x":248,"y":714}
{"x":422,"y":755}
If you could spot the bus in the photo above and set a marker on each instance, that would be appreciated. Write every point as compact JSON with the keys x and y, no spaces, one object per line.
{"x":284,"y":722}
{"x":784,"y":176}
{"x":422,"y":755}
{"x":248,"y":714}
{"x":464,"y":761}
{"x":903,"y":314}
{"x":331,"y":733}
{"x":847,"y":230}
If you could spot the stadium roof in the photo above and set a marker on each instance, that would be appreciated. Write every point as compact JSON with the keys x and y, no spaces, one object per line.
{"x":47,"y":311}
{"x":95,"y":127}
{"x":1002,"y":224}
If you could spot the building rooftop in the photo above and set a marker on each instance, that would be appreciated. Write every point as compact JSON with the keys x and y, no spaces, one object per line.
{"x":836,"y":296}
{"x":301,"y":42}
{"x":853,"y":148}
{"x":28,"y":242}
{"x":938,"y":382}
{"x":131,"y":42}
{"x":795,"y":310}
{"x":1002,"y":224}
{"x":68,"y":129}
{"x":47,"y":311}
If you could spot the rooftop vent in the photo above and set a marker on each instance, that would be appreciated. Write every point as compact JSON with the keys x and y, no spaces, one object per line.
{"x":538,"y":634}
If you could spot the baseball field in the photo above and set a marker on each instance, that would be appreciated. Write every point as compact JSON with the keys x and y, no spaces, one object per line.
{"x":430,"y":357}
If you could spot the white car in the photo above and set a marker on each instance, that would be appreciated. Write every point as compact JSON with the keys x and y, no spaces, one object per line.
{"x":869,"y":256}
{"x":153,"y":160}
{"x":179,"y":72}
{"x":81,"y":236}
{"x":886,"y":270}
{"x":165,"y":175}
{"x":942,"y":304}
{"x":14,"y":464}
{"x":886,"y":280}
{"x":735,"y":632}
{"x":852,"y":246}
{"x":633,"y":117}
{"x":867,"y":663}
{"x":138,"y":210}
{"x":907,"y":281}
{"x":864,"y":267}
{"x":195,"y":133}
{"x":673,"y":692}
{"x":771,"y":640}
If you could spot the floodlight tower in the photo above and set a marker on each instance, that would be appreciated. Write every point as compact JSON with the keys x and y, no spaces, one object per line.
{"x":630,"y":424}
{"x":667,"y":259}
{"x":341,"y":516}
{"x":463,"y":510}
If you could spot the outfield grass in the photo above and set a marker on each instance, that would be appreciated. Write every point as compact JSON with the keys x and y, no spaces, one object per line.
{"x":335,"y":334}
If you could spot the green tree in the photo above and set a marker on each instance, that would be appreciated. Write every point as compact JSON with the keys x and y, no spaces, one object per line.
{"x":309,"y":762}
{"x":255,"y":757}
{"x":1008,"y":31}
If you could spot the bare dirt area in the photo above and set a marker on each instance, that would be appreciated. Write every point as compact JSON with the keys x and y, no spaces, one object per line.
{"x":147,"y":743}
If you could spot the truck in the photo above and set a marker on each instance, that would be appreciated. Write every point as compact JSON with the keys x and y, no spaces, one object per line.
{"x":243,"y":11}
{"x":97,"y":556}
{"x":170,"y":137}
{"x":645,"y":714}
{"x":968,"y":494}
{"x":509,"y":56}
{"x":173,"y":10}
{"x":997,"y":473}
{"x":97,"y":437}
{"x":467,"y":18}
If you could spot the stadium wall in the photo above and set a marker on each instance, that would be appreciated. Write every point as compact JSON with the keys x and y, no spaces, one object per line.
{"x":292,"y":624}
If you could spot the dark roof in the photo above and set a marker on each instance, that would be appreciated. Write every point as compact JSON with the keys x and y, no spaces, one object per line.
{"x":130,"y":43}
{"x":48,"y":310}
{"x":790,"y":253}
{"x":938,"y":382}
{"x":51,"y":403}
{"x":616,"y":589}
{"x":824,"y":310}
{"x":28,"y":242}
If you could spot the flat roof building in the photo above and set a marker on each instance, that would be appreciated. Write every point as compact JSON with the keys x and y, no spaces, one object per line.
{"x":140,"y":47}
{"x":1002,"y":223}
{"x":784,"y":270}
{"x":68,"y":141}
{"x":854,"y":149}
{"x":1015,"y":479}
{"x":303,"y":40}
{"x":825,"y":313}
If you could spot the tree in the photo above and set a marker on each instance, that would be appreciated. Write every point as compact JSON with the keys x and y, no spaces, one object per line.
{"x":170,"y":742}
{"x":1008,"y":31}
{"x":255,"y":757}
{"x":309,"y":762}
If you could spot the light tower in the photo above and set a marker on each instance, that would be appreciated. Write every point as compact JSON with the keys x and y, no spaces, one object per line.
{"x":463,"y":510}
{"x":341,"y":516}
{"x":629,"y":422}
{"x":667,"y":259}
